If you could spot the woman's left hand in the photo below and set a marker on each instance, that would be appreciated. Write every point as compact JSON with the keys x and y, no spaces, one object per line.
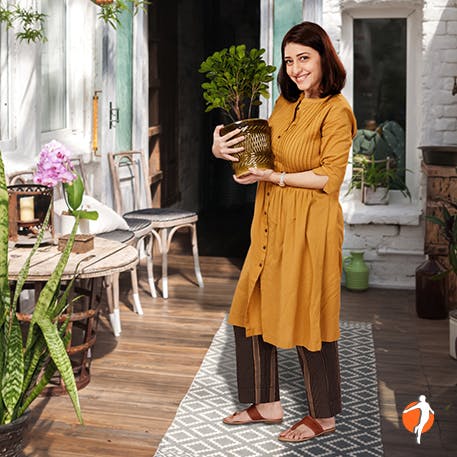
{"x":255,"y":175}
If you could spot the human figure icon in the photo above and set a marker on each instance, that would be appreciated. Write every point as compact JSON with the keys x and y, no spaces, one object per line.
{"x":425,"y":411}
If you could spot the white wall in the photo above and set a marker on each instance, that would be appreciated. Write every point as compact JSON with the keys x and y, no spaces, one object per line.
{"x":394,"y":249}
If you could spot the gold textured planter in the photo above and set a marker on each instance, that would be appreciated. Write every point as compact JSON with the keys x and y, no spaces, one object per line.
{"x":257,"y":145}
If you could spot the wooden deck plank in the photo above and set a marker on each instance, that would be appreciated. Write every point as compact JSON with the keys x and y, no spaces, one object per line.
{"x":139,"y":379}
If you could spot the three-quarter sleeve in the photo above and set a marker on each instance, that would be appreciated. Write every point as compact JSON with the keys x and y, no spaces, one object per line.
{"x":338,"y":130}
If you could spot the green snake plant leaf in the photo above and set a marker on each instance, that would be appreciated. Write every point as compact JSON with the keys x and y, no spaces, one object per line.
{"x":14,"y":372}
{"x":4,"y":285}
{"x":49,"y":291}
{"x":39,"y":356}
{"x":42,"y":319}
{"x":24,"y":271}
{"x":44,"y":380}
{"x":60,"y":357}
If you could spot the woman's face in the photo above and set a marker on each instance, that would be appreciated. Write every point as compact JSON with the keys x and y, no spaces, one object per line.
{"x":303,"y":65}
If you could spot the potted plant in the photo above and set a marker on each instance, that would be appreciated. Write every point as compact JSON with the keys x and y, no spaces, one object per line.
{"x":29,"y":361}
{"x":448,"y":228}
{"x":375,"y":178}
{"x":112,"y":9}
{"x":237,"y":78}
{"x":378,"y":163}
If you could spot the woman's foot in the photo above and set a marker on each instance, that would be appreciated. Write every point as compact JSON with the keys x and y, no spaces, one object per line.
{"x":269,"y":413}
{"x":309,"y":427}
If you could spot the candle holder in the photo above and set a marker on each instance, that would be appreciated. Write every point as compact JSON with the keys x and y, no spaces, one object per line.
{"x":28,"y":205}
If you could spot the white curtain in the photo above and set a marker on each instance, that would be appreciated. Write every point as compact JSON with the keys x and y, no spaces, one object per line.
{"x":54,"y":67}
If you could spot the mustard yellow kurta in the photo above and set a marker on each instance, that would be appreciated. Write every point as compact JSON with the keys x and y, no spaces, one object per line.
{"x":289,"y":287}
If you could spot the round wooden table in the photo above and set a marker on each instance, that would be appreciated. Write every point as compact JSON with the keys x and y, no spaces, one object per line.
{"x":96,"y":269}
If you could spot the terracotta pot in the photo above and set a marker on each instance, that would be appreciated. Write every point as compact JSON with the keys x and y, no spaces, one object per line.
{"x":257,"y":145}
{"x":103,"y":2}
{"x":12,"y":436}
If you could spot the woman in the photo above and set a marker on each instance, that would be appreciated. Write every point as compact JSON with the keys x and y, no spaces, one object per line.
{"x":289,"y":288}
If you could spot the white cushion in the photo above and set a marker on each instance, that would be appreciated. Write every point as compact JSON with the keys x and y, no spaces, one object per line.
{"x":108,"y":220}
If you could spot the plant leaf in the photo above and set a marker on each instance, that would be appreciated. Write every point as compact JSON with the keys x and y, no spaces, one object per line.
{"x":14,"y":372}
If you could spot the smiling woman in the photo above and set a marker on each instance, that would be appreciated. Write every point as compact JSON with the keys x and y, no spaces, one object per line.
{"x":288,"y":294}
{"x":303,"y":65}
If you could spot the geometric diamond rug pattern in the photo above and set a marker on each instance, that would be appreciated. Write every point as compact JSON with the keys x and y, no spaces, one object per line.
{"x":197,"y":429}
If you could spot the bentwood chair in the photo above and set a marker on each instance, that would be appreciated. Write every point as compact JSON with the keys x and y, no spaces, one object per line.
{"x":128,"y":169}
{"x":138,"y":234}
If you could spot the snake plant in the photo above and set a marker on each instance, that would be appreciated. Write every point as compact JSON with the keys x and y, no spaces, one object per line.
{"x":27,"y":364}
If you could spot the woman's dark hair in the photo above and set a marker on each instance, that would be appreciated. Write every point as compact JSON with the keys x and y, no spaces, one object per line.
{"x":333,"y":73}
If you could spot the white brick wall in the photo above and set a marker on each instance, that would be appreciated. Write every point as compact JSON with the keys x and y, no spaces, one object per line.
{"x":393,"y":252}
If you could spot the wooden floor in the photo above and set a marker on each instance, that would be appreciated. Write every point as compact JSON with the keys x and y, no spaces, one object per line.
{"x":139,"y":378}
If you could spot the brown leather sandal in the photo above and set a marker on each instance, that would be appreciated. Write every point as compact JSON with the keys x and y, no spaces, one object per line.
{"x":254,"y":417}
{"x":313,"y":425}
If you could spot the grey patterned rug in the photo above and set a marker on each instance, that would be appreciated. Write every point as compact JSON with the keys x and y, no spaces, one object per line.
{"x":197,"y":430}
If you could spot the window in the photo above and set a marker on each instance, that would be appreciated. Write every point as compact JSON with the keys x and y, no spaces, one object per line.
{"x":54,"y":67}
{"x":380,"y":79}
{"x":4,"y":73}
{"x":365,"y":31}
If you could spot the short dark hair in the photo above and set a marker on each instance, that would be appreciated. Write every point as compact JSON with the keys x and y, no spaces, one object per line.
{"x":333,"y":73}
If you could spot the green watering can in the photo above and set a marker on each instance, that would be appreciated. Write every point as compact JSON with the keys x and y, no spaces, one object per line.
{"x":356,"y":271}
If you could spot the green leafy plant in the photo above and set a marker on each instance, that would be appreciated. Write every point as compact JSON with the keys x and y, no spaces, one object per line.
{"x":29,"y":21}
{"x":111,"y":11}
{"x":368,"y":172}
{"x":237,"y":77}
{"x":27,"y":365}
{"x":448,"y":227}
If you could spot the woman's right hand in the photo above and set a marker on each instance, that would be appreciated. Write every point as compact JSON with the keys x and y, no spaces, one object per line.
{"x":223,"y":145}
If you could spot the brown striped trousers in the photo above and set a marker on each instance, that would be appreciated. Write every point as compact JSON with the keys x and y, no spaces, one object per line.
{"x":258,"y":381}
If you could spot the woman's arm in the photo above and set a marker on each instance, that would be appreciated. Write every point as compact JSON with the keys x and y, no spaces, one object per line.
{"x":306,"y":179}
{"x":337,"y":132}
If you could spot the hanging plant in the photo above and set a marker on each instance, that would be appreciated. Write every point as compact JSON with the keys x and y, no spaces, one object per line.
{"x":29,"y":21}
{"x":112,"y":9}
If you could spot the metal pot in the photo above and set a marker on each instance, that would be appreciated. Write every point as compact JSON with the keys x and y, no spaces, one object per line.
{"x":257,"y":145}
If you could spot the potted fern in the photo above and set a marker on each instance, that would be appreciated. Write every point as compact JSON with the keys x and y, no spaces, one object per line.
{"x":28,"y":362}
{"x":378,"y":163}
{"x":237,"y":77}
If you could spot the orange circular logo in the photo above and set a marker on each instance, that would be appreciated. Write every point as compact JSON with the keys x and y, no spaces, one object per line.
{"x":412,"y":417}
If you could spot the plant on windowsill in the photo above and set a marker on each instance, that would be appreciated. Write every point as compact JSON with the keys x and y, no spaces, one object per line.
{"x":27,"y":365}
{"x":237,"y":77}
{"x":375,"y":178}
{"x":378,"y":163}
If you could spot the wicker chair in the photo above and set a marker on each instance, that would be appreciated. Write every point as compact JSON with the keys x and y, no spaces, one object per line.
{"x":128,"y":169}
